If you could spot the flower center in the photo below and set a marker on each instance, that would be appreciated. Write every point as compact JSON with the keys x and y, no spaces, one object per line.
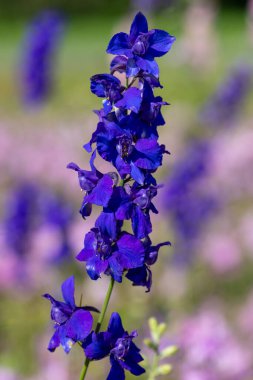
{"x":103,"y":247}
{"x":124,"y":146}
{"x":144,"y":197}
{"x":140,"y":46}
{"x":122,"y":347}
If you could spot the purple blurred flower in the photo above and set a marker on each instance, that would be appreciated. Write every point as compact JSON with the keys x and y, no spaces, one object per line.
{"x":41,"y":43}
{"x":29,"y":207}
{"x":223,"y":107}
{"x":190,"y":206}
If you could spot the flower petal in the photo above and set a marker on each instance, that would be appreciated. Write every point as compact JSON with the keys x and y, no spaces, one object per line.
{"x":118,"y":64}
{"x":95,"y":267}
{"x":115,"y":326}
{"x":101,"y":83}
{"x":68,"y":290}
{"x":137,"y":174}
{"x":139,"y":25}
{"x":151,"y":154}
{"x":140,"y":277}
{"x":99,"y":347}
{"x":79,"y":325}
{"x":133,"y":367}
{"x":119,"y":44}
{"x":54,"y":341}
{"x":107,"y":224}
{"x":132,"y":250}
{"x":66,"y":342}
{"x":116,"y":372}
{"x":90,"y":246}
{"x":160,"y":43}
{"x":101,"y":194}
{"x":147,"y":65}
{"x":131,"y":100}
{"x":141,"y":223}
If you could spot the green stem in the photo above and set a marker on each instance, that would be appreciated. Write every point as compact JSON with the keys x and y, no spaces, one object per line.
{"x":99,"y":324}
{"x":154,"y":367}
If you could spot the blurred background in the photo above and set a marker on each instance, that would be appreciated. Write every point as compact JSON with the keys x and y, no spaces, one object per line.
{"x":203,"y":284}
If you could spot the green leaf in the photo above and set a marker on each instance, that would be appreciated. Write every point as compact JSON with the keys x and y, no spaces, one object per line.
{"x":164,"y":369}
{"x":161,"y":329}
{"x":150,"y":344}
{"x":168,"y":351}
{"x":153,"y":325}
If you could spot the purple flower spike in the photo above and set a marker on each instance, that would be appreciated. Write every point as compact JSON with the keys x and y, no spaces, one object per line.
{"x":118,"y":345}
{"x":140,"y":47}
{"x":72,"y":323}
{"x":41,"y":43}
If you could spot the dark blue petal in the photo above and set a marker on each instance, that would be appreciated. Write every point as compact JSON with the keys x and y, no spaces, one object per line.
{"x":160,"y":43}
{"x":139,"y":25}
{"x":140,"y":277}
{"x":79,"y":325}
{"x":141,"y":223}
{"x":122,"y":166}
{"x":117,"y":265}
{"x":92,"y":159}
{"x":101,"y":194}
{"x":132,"y":68}
{"x":137,"y":174}
{"x":99,"y":347}
{"x":132,"y":366}
{"x":95,"y":267}
{"x":118,"y":64}
{"x":116,"y":372}
{"x":131,"y":250}
{"x":85,"y":209}
{"x":115,"y":326}
{"x":107,"y":106}
{"x":151,"y":154}
{"x":131,"y":100}
{"x":54,"y":341}
{"x":101,"y":83}
{"x":125,"y":209}
{"x":60,"y":312}
{"x":68,"y":290}
{"x":119,"y":44}
{"x":107,"y":224}
{"x":149,"y":66}
{"x":90,"y":246}
{"x":66,"y":342}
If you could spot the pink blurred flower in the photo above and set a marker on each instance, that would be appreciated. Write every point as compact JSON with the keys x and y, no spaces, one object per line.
{"x":210,"y":348}
{"x":8,"y":374}
{"x":221,"y":251}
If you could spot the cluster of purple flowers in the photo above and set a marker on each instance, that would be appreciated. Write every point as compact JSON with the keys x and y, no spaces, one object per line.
{"x":127,"y":137}
{"x":41,"y":43}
